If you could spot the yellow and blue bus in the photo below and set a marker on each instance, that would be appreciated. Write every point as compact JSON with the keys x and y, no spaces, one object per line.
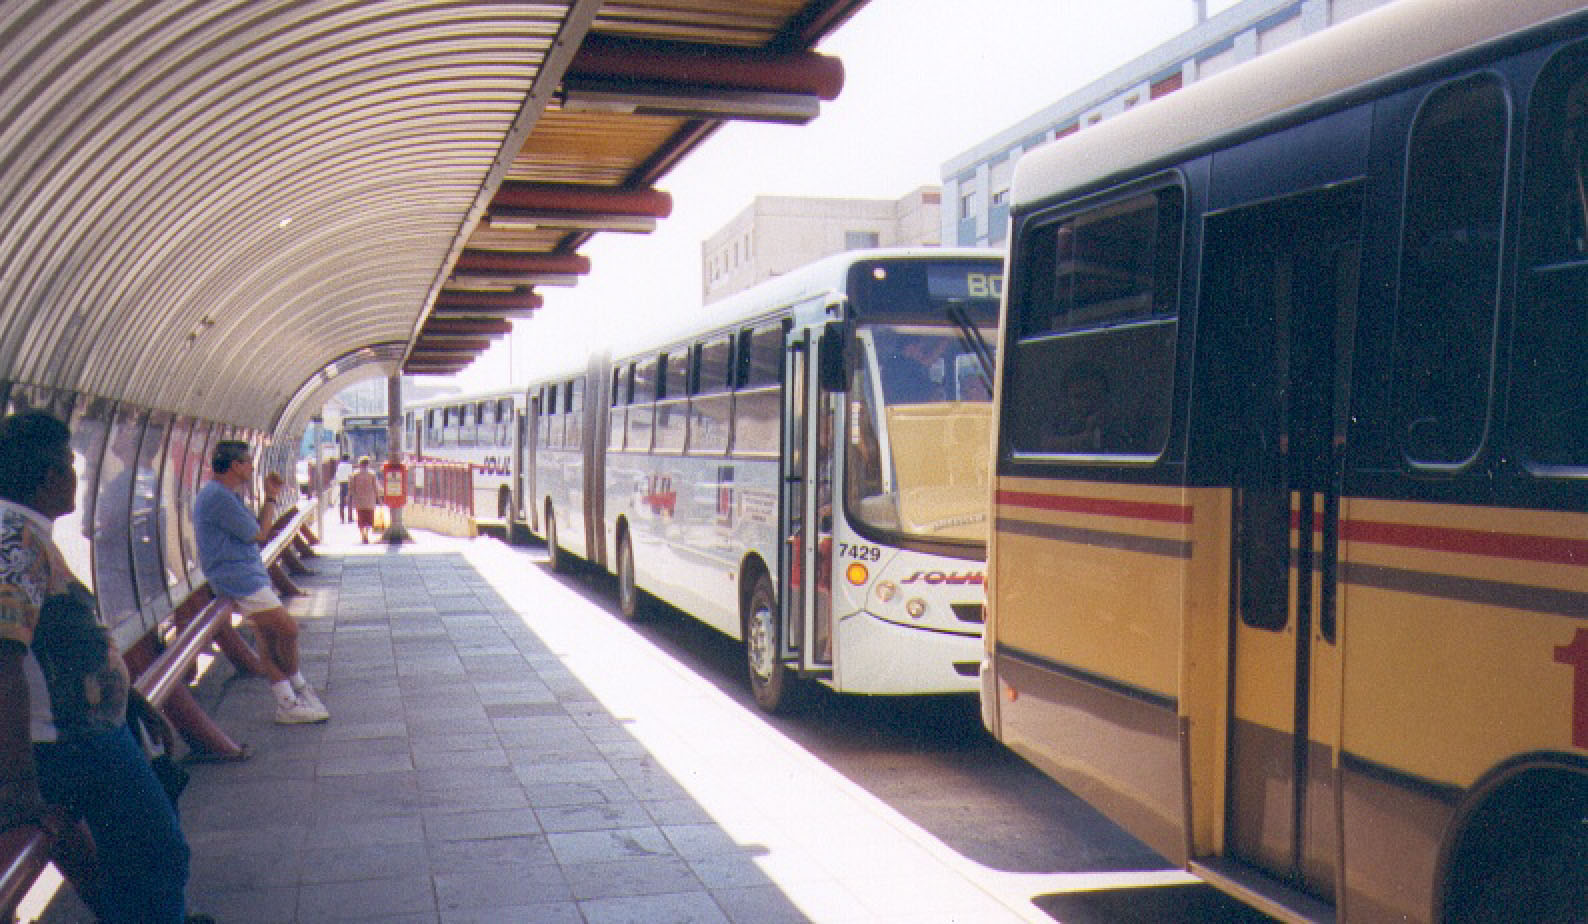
{"x":1288,"y":571}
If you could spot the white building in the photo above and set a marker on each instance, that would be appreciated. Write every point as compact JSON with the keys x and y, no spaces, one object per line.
{"x":976,"y":183}
{"x":775,"y":234}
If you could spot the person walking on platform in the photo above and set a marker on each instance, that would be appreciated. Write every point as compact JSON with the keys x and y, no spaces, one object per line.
{"x":228,"y":548}
{"x":65,"y":748}
{"x":364,"y":488}
{"x":344,"y":470}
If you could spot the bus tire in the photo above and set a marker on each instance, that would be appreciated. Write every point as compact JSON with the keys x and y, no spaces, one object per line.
{"x":1524,"y":852}
{"x":555,"y":556}
{"x":630,"y":606}
{"x":771,"y":682}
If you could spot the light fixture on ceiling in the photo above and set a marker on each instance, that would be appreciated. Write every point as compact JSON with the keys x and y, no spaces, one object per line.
{"x":687,"y":102}
{"x":510,"y":219}
{"x":507,"y":282}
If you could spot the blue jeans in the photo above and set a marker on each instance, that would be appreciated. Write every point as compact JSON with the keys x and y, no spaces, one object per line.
{"x":143,"y":857}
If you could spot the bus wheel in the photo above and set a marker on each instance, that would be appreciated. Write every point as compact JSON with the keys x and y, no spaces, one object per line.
{"x":554,"y":555}
{"x":770,"y":679}
{"x":1527,"y":849}
{"x":628,"y":594}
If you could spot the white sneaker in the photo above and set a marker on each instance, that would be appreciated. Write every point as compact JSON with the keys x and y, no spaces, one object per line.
{"x":308,"y":695}
{"x":300,"y":712}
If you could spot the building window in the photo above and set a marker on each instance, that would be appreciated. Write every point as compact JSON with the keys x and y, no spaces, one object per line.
{"x":861,"y":240}
{"x":1000,"y":198}
{"x":967,"y":206}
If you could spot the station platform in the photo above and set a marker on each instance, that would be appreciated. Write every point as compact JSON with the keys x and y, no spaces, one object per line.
{"x":501,"y":750}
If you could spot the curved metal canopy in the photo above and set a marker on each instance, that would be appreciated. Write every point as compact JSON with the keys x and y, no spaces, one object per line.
{"x":211,"y":207}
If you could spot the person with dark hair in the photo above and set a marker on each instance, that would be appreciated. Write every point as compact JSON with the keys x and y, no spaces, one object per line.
{"x":1083,"y":423}
{"x":66,"y":750}
{"x":914,"y":372}
{"x":344,"y":500}
{"x":228,"y":546}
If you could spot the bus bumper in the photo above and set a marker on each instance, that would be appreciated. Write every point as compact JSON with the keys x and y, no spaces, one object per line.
{"x":880,"y":657}
{"x":989,"y":696}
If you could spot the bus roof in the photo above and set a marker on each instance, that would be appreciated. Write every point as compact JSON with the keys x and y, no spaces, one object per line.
{"x":510,"y":391}
{"x":811,"y":280}
{"x":1379,"y":44}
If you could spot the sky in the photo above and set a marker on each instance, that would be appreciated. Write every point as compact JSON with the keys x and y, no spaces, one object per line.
{"x":925,"y":80}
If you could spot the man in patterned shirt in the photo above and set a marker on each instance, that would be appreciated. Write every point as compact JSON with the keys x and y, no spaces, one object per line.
{"x":65,"y":748}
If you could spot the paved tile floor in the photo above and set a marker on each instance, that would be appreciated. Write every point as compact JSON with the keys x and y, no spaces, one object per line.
{"x":502,"y":751}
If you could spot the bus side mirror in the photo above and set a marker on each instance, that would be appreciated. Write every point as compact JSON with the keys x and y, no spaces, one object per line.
{"x":832,"y":359}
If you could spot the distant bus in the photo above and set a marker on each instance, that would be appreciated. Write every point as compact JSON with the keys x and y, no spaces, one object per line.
{"x":803,"y":467}
{"x":480,"y":429}
{"x":363,"y":435}
{"x":1289,"y":559}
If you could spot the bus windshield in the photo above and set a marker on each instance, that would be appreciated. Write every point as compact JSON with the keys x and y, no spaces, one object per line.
{"x":919,"y":398}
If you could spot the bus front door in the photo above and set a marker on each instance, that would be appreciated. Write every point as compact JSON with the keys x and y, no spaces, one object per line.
{"x":793,"y":515}
{"x":806,"y":512}
{"x":1280,"y":284}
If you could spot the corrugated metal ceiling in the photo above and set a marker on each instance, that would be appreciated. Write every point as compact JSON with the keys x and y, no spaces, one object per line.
{"x":205,"y":205}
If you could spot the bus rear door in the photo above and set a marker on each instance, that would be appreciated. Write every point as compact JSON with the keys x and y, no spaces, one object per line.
{"x":1280,"y":302}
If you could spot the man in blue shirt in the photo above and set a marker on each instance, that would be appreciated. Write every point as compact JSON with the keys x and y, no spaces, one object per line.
{"x":228,"y":545}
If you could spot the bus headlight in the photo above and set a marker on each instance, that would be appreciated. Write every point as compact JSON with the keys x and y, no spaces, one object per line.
{"x":916,"y":608}
{"x":886,"y":591}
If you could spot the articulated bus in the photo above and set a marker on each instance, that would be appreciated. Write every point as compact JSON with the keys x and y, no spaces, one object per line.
{"x":804,"y":469}
{"x":484,"y":430}
{"x":1289,"y":563}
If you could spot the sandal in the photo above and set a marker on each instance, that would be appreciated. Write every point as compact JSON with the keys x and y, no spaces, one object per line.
{"x":201,"y":756}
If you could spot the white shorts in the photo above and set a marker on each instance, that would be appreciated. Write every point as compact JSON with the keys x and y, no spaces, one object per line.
{"x":260,"y":600}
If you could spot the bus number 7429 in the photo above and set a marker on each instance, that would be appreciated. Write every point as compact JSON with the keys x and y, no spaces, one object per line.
{"x":859,"y":552}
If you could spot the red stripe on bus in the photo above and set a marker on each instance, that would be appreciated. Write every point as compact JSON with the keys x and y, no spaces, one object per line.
{"x":1069,"y":503}
{"x":1517,"y":546}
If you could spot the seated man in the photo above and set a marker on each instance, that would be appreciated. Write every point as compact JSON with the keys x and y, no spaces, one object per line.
{"x":228,"y":546}
{"x":65,"y":747}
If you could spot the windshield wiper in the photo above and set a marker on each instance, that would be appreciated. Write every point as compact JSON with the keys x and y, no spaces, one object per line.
{"x":970,"y":336}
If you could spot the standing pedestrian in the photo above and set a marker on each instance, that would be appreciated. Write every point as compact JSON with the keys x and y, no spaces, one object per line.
{"x":364,"y":488}
{"x":344,"y":471}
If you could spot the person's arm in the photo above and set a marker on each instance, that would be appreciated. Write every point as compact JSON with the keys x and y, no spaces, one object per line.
{"x":233,"y":517}
{"x":20,"y":800}
{"x":267,"y":519}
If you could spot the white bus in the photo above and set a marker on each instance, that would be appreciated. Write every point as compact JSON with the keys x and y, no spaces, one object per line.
{"x":803,"y":468}
{"x":482,"y":429}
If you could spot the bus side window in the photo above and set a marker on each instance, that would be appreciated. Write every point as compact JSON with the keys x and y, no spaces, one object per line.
{"x":1549,"y":406}
{"x":551,"y":433}
{"x":617,"y":419}
{"x":672,"y":418}
{"x":643,"y":411}
{"x":757,"y":406}
{"x":1095,"y":322}
{"x":465,"y":433}
{"x":1450,"y":266}
{"x":712,"y":405}
{"x":574,"y":426}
